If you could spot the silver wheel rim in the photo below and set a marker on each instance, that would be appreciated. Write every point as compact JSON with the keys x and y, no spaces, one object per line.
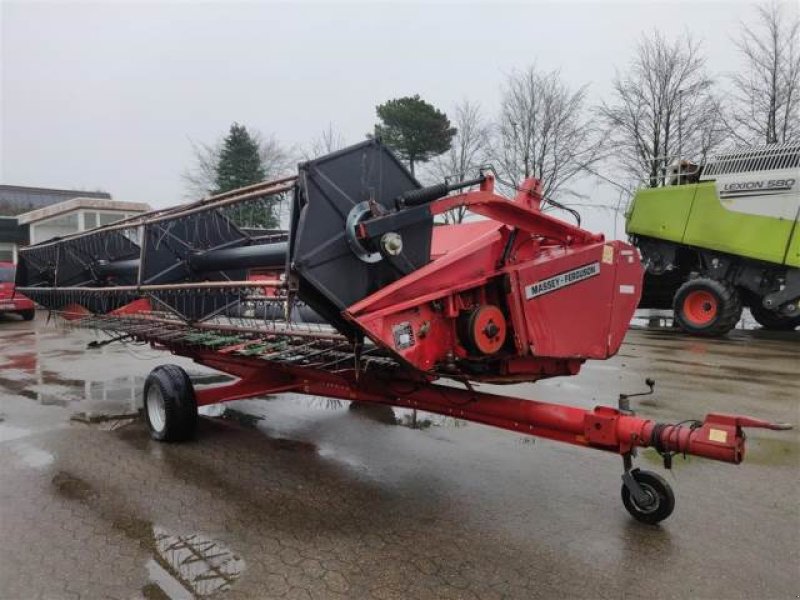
{"x":651,"y":508}
{"x":156,"y":413}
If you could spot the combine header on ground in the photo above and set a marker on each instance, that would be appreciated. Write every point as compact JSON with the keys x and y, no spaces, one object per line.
{"x":366,"y":299}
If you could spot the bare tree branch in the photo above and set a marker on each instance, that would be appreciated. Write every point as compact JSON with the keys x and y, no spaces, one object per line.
{"x":662,"y":106}
{"x":467,"y":152}
{"x":766,"y":98}
{"x":543,"y":131}
{"x":330,"y":140}
{"x":200,"y":179}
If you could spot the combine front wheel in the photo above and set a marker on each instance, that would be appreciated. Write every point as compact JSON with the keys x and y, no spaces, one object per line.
{"x":707,"y":307}
{"x":169,"y":404}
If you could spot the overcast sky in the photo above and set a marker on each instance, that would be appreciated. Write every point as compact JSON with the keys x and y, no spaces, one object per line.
{"x":109,"y":95}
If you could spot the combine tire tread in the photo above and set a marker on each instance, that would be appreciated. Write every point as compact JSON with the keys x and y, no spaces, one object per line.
{"x":728,"y":307}
{"x":771,"y":320}
{"x":179,"y":404}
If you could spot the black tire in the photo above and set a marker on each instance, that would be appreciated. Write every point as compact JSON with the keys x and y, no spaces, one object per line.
{"x":769,"y":319}
{"x":659,"y":491}
{"x":176,"y":421}
{"x":28,"y":315}
{"x":724,"y":302}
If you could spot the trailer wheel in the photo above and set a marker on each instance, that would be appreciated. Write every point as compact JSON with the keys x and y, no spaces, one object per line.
{"x":769,"y":319}
{"x":169,"y":404}
{"x":662,"y":499}
{"x":707,"y":307}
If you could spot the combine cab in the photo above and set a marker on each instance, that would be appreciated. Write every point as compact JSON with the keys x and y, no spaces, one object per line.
{"x":724,"y":237}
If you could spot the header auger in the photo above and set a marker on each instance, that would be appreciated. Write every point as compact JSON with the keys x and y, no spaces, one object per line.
{"x":365,"y":299}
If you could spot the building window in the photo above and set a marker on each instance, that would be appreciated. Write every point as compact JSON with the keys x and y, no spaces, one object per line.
{"x":90,"y":220}
{"x":106,"y":217}
{"x":7,"y":252}
{"x":55,"y":227}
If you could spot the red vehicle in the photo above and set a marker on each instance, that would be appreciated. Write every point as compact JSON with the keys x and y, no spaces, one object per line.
{"x":10,"y":301}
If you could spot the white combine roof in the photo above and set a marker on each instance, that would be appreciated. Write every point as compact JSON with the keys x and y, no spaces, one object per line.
{"x":761,"y":158}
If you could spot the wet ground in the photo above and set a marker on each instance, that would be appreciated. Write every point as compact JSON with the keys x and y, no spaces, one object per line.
{"x":294,"y":497}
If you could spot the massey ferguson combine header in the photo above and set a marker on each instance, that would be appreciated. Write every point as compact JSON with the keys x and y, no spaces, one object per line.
{"x":366,"y":299}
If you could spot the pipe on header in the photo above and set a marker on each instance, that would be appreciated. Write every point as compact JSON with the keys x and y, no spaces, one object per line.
{"x":242,"y":257}
{"x":266,"y":256}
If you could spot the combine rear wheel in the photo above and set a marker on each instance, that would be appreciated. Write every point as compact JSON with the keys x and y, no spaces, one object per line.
{"x":169,"y":404}
{"x":707,"y":307}
{"x":769,"y":319}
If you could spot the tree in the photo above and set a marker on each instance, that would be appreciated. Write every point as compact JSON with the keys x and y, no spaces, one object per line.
{"x":467,"y":152}
{"x":414,"y":129}
{"x":330,"y":140}
{"x":202,"y":178}
{"x":662,"y":107}
{"x":239,"y":162}
{"x":239,"y":159}
{"x":543,"y":131}
{"x":766,"y":99}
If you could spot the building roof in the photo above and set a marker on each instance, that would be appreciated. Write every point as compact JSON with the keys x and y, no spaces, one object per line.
{"x":74,"y":204}
{"x":16,"y":199}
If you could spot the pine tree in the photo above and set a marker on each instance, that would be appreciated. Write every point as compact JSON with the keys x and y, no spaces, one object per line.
{"x":414,"y":129}
{"x":240,"y":164}
{"x":239,"y":161}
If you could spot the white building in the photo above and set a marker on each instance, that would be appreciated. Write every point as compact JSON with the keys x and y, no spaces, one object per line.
{"x":29,"y":215}
{"x":76,"y":215}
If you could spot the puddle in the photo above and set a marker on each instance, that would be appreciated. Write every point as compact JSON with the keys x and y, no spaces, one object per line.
{"x":191,"y":565}
{"x":179,"y":566}
{"x":51,"y":389}
{"x":9,"y":432}
{"x":242,"y":418}
{"x":425,"y":420}
{"x":105,"y":422}
{"x":32,"y":456}
{"x":390,"y":415}
{"x":380,"y":413}
{"x":324,"y":403}
{"x":71,"y":487}
{"x":291,"y":445}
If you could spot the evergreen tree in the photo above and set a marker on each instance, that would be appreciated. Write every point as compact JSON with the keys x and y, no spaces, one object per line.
{"x":239,"y":162}
{"x":414,"y":129}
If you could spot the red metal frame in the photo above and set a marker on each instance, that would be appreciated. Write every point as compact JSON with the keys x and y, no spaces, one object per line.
{"x":564,"y":294}
{"x":719,"y":437}
{"x":552,"y":333}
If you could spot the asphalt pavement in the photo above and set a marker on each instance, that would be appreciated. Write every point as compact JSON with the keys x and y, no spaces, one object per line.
{"x":301,"y":497}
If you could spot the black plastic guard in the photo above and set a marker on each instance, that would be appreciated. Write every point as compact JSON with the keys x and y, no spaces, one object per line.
{"x":331,"y":276}
{"x":68,"y":263}
{"x":167,"y":248}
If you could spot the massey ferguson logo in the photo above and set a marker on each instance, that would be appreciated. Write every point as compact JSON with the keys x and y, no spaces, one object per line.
{"x":765,"y":185}
{"x":551,"y":284}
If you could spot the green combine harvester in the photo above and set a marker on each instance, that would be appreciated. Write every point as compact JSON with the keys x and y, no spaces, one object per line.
{"x":723,"y":236}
